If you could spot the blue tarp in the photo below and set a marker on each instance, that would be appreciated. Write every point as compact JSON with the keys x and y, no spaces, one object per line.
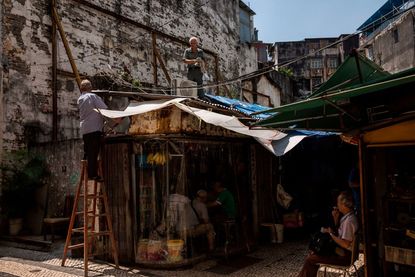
{"x":244,"y":107}
{"x":382,"y":14}
{"x":248,"y":108}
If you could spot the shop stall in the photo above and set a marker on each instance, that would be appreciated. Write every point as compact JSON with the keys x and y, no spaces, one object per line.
{"x":153,"y":174}
{"x":387,"y":158}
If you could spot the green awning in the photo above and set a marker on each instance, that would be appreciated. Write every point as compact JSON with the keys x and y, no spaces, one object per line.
{"x":335,"y":110}
{"x":355,"y":70}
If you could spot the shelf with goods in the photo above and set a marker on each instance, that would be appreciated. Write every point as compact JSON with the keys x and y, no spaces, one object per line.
{"x":399,"y":215}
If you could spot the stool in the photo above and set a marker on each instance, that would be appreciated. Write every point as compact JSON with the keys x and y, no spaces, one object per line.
{"x":51,"y":222}
{"x":272,"y":231}
{"x":228,"y":226}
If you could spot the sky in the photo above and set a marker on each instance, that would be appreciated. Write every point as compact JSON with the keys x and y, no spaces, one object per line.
{"x":288,"y":20}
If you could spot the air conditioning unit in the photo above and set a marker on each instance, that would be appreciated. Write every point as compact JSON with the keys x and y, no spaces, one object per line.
{"x":184,"y":88}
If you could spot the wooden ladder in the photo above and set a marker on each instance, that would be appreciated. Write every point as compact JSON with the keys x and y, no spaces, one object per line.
{"x":88,"y":228}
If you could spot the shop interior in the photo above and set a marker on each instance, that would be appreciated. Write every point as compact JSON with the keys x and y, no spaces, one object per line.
{"x":313,"y":174}
{"x":169,"y":174}
{"x":391,"y":204}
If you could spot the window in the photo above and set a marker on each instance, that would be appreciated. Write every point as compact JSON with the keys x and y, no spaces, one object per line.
{"x":316,"y":63}
{"x":395,"y":36}
{"x":333,"y":63}
{"x":246,"y":26}
{"x":315,"y":82}
{"x":369,"y":52}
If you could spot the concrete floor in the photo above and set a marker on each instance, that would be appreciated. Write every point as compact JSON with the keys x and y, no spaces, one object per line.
{"x":282,"y":260}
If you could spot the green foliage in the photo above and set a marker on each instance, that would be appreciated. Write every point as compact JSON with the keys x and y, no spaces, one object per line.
{"x":127,"y":77}
{"x":22,"y":174}
{"x":136,"y":83}
{"x":286,"y":71}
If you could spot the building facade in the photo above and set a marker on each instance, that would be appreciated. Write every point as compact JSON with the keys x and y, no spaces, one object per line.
{"x":387,"y":37}
{"x":318,"y":67}
{"x":40,"y":111}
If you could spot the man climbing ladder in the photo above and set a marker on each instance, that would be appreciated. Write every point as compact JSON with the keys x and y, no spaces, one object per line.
{"x":91,"y":125}
{"x":89,"y":215}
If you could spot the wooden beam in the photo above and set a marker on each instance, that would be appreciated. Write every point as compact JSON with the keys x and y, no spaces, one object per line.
{"x":364,"y":208}
{"x":66,"y":44}
{"x":217,"y":73}
{"x":54,"y":79}
{"x":154,"y":45}
{"x":162,"y":64}
{"x":138,"y":24}
{"x":69,"y":74}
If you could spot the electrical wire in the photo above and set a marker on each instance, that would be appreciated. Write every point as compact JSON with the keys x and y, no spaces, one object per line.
{"x":131,"y":39}
{"x":262,"y":71}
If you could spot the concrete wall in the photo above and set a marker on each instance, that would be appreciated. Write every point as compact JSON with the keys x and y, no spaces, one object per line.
{"x":393,"y":54}
{"x":99,"y":40}
{"x":303,"y":70}
{"x":175,"y":121}
{"x":266,"y":87}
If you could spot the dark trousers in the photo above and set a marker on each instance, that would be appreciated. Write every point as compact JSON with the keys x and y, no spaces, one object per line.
{"x":92,"y":146}
{"x":310,"y":267}
{"x":196,"y":75}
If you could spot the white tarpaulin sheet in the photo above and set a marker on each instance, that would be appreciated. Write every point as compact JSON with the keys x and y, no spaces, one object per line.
{"x":282,"y":146}
{"x":275,"y":141}
{"x":231,"y":123}
{"x":141,"y":107}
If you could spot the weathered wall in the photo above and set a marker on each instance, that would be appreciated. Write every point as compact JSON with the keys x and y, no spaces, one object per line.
{"x":393,"y":54}
{"x":265,"y":87}
{"x":273,"y":89}
{"x":175,"y":121}
{"x":64,"y":164}
{"x":99,"y":40}
{"x":303,"y":69}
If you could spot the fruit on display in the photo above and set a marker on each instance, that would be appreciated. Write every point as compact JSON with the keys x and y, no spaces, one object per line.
{"x":158,"y":158}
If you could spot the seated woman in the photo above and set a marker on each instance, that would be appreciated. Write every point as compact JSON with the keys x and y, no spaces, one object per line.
{"x":348,"y":225}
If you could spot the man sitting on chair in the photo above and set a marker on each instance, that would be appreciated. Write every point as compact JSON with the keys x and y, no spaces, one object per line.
{"x":348,"y":225}
{"x":204,"y":227}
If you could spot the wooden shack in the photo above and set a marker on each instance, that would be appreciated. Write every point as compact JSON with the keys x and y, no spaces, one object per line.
{"x":387,"y":159}
{"x":170,"y":154}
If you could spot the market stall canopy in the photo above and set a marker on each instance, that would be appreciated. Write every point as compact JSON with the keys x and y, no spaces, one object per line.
{"x":398,"y":131}
{"x":342,"y":104}
{"x":275,"y":141}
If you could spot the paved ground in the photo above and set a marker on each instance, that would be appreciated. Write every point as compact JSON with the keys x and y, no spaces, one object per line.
{"x":282,"y":260}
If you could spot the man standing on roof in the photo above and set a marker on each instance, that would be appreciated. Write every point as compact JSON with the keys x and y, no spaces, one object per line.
{"x":193,"y":57}
{"x":91,"y":124}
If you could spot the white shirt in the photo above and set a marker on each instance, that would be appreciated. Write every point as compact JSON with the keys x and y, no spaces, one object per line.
{"x":348,"y":226}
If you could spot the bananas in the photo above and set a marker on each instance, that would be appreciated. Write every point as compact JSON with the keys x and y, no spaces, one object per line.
{"x":157,"y":158}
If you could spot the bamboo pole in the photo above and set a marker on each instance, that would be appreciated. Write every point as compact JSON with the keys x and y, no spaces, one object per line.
{"x":66,"y":44}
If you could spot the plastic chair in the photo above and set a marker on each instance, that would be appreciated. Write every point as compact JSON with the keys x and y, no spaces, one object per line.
{"x":354,"y":258}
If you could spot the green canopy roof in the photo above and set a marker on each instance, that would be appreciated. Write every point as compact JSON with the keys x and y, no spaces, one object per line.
{"x":355,"y":70}
{"x":343,"y":102}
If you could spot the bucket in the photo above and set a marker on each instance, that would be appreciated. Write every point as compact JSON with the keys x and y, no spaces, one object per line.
{"x":15,"y":226}
{"x":174,"y":248}
{"x":280,"y":232}
{"x":142,"y":249}
{"x":271,"y":231}
{"x":154,"y":250}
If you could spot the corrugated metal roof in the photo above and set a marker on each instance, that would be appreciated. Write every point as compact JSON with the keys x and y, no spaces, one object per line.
{"x":387,"y":11}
